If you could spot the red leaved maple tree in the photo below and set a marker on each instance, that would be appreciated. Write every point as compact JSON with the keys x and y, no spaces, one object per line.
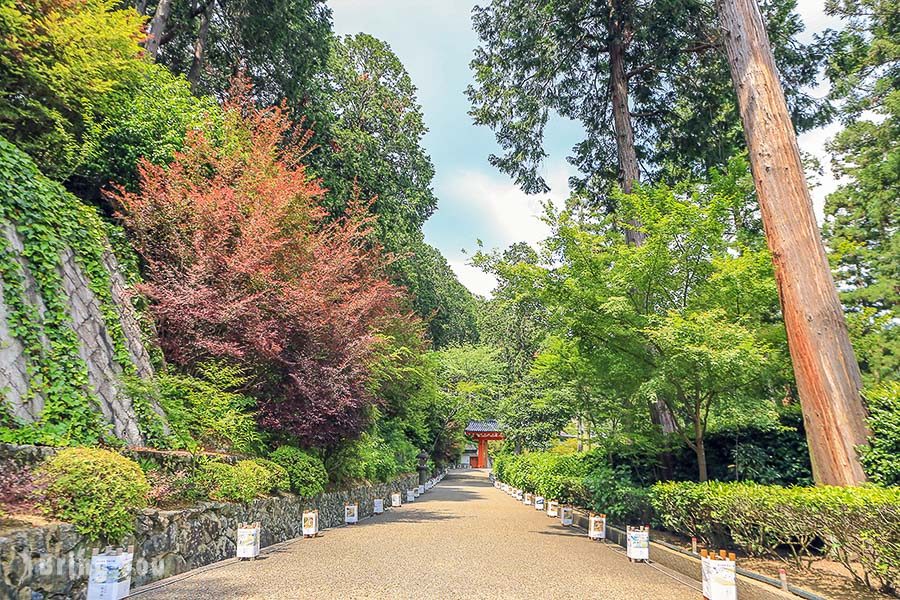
{"x":243,"y":264}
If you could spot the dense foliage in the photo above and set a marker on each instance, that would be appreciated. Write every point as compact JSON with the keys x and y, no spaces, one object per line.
{"x":242,"y":482}
{"x":881,"y":458}
{"x":202,"y":411}
{"x":689,"y":319}
{"x":374,"y":150}
{"x":855,"y":525}
{"x":543,"y":57}
{"x":305,"y":472}
{"x":241,"y":265}
{"x":60,"y":63}
{"x":96,"y":490}
{"x":863,"y":216}
{"x":48,"y":221}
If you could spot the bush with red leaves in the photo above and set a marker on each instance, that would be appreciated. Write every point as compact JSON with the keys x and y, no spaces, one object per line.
{"x":19,"y":491}
{"x":243,"y":265}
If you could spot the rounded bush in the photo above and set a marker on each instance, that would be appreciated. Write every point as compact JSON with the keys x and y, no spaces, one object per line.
{"x":306,"y":472}
{"x":279,"y":480}
{"x":95,"y":490}
{"x":242,"y":482}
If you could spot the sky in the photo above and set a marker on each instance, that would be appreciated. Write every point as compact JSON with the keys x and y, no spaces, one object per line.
{"x":435,"y":42}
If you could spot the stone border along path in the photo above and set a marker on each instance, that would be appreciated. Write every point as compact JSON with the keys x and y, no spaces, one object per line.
{"x":462,"y":539}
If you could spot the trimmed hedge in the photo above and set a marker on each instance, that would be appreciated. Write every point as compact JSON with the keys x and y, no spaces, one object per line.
{"x":859,"y":524}
{"x":95,"y":490}
{"x":278,"y":476}
{"x":855,"y":526}
{"x":553,"y":476}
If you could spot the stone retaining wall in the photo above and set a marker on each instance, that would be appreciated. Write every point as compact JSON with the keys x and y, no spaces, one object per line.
{"x":169,"y":461}
{"x":52,"y":562}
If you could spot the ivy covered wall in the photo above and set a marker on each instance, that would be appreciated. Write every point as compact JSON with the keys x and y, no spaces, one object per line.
{"x":69,"y":337}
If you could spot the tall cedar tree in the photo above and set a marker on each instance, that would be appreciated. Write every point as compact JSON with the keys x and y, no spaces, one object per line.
{"x":862,"y":216}
{"x":647,"y":81}
{"x":242,"y":263}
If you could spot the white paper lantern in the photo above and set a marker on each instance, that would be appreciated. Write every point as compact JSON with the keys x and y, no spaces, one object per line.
{"x":638,"y":546}
{"x":719,"y":578}
{"x":310,"y":523}
{"x":539,"y":502}
{"x":527,"y":499}
{"x":566,"y":515}
{"x":110,"y":575}
{"x":597,"y":528}
{"x":351,"y":513}
{"x":410,"y":495}
{"x":520,"y":495}
{"x":379,"y":506}
{"x":552,"y":508}
{"x":395,"y":499}
{"x":248,"y":540}
{"x":421,"y":490}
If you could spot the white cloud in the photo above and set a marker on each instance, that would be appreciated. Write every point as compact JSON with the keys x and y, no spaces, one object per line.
{"x":507,"y":214}
{"x":473,"y":278}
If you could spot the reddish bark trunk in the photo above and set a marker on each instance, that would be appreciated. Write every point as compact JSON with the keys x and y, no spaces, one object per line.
{"x":825,"y":366}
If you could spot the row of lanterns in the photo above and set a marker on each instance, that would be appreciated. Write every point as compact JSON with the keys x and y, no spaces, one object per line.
{"x":110,"y":571}
{"x":351,"y":510}
{"x":718,"y":572}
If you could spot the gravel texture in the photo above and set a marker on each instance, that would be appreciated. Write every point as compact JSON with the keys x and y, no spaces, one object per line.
{"x":462,"y":539}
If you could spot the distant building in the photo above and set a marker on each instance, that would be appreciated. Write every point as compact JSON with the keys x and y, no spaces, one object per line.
{"x":482,"y":432}
{"x":469,"y":455}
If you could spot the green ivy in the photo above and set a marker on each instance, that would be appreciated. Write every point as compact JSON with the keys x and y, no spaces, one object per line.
{"x":48,"y":220}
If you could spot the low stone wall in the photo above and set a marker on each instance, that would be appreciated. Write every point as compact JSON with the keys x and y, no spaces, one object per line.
{"x":52,"y":562}
{"x":167,"y":460}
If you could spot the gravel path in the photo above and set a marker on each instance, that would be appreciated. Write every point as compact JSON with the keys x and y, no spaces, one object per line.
{"x":463,"y":539}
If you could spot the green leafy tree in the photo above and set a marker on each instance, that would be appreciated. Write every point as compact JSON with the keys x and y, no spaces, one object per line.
{"x":374,"y":150}
{"x":149,"y":121}
{"x":469,"y":383}
{"x":60,"y":62}
{"x":448,"y":307}
{"x":689,"y":318}
{"x":281,"y":44}
{"x":532,"y":414}
{"x":514,"y":323}
{"x":862,"y":217}
{"x":376,"y":137}
{"x":881,"y":458}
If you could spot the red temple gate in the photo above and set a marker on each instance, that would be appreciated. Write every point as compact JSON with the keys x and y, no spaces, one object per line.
{"x":482,"y":432}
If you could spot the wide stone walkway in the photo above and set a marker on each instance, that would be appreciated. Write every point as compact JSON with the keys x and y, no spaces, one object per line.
{"x":462,"y":539}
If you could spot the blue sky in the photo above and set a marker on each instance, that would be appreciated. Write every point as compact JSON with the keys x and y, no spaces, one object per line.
{"x":434,"y":40}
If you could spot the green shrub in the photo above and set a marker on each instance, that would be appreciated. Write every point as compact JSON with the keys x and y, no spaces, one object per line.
{"x":881,"y":458}
{"x":859,"y":524}
{"x":95,"y":490}
{"x":374,"y":456}
{"x":554,"y":476}
{"x":203,"y":412}
{"x":242,"y":482}
{"x":612,"y":491}
{"x":279,"y":480}
{"x":305,"y":471}
{"x":148,"y":121}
